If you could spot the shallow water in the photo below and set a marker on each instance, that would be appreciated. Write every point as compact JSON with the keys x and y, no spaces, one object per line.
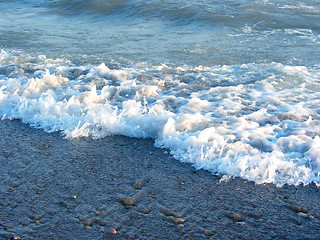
{"x":232,"y":86}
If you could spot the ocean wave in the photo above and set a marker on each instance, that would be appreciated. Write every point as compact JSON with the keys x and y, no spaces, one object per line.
{"x":267,"y":13}
{"x":260,"y":122}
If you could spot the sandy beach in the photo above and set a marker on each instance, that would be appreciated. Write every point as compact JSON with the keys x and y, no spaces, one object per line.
{"x":125,"y":188}
{"x":138,"y":110}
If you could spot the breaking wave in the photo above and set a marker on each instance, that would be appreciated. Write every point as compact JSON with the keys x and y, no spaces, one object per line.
{"x":260,"y":121}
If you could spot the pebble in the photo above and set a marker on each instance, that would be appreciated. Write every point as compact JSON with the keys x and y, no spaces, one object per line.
{"x":168,"y":212}
{"x":179,"y":220}
{"x":146,"y":211}
{"x":127,"y":202}
{"x":113,"y":231}
{"x":130,"y":201}
{"x":235,"y":217}
{"x":208,"y":232}
{"x":14,"y":185}
{"x":139,"y":184}
{"x":298,"y":209}
{"x":87,"y":223}
{"x":10,"y":236}
{"x":15,"y":238}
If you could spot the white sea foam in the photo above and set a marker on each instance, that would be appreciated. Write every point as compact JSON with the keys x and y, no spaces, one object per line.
{"x":257,"y":121}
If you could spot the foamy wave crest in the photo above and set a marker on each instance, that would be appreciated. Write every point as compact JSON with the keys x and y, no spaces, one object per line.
{"x":256,"y":121}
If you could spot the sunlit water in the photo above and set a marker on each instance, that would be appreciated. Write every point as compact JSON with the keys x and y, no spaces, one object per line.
{"x":230,"y":86}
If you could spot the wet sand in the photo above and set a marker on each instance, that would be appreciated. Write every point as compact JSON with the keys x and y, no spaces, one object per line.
{"x":124,"y":188}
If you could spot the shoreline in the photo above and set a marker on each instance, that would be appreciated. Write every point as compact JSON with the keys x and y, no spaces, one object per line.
{"x":125,"y":188}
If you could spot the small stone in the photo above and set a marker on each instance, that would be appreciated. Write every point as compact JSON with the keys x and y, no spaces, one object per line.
{"x":179,"y":220}
{"x":146,"y":210}
{"x":208,"y":233}
{"x":235,"y":217}
{"x":180,"y":226}
{"x":43,"y":147}
{"x":36,"y":217}
{"x":10,"y":236}
{"x":295,"y":208}
{"x":304,"y":210}
{"x":254,"y":215}
{"x":130,"y":201}
{"x":113,"y":231}
{"x":15,"y":238}
{"x":14,"y":185}
{"x":139,"y":184}
{"x":127,"y":202}
{"x":298,"y":209}
{"x":87,"y":223}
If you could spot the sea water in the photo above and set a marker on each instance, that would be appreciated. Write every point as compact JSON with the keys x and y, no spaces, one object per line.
{"x":230,"y":86}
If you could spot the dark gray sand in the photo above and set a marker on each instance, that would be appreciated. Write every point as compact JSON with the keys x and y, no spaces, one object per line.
{"x":124,"y":188}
